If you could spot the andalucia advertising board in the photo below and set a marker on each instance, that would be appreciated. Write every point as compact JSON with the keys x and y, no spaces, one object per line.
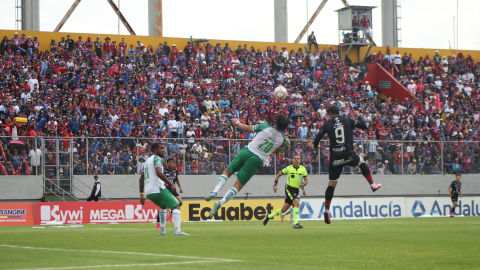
{"x":355,"y":208}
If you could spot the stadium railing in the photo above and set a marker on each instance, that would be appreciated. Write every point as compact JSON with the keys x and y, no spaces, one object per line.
{"x":64,"y":157}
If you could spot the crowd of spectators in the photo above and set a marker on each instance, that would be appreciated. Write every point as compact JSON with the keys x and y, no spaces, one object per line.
{"x":108,"y":101}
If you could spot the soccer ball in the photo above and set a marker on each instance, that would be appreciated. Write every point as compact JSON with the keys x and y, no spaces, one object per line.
{"x":280,"y":92}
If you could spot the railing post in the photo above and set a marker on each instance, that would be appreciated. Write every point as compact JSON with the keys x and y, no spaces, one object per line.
{"x":229,"y":150}
{"x":441,"y":154}
{"x":42,"y":159}
{"x":184,"y":154}
{"x":70,"y":165}
{"x":86,"y":151}
{"x":138,"y":157}
{"x":319,"y":158}
{"x":401,"y":151}
{"x":57,"y":167}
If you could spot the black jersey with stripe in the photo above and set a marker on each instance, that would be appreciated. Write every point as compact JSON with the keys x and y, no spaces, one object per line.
{"x":340,"y":133}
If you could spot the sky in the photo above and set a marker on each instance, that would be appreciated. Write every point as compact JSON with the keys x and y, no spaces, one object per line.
{"x":425,"y":23}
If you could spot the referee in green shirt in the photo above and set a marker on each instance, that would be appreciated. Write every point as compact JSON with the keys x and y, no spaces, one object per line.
{"x":296,"y":178}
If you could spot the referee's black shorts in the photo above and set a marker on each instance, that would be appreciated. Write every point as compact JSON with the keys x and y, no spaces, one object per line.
{"x":291,"y":194}
{"x":337,"y":163}
{"x":174,"y":193}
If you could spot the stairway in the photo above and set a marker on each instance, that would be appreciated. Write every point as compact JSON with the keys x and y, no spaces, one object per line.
{"x":382,"y":79}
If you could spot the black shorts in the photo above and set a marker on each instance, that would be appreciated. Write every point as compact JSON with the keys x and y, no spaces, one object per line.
{"x":337,"y":163}
{"x":454,"y":197}
{"x":291,"y":194}
{"x":174,"y":193}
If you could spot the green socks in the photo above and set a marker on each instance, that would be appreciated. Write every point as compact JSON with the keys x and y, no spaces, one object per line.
{"x":276,"y":213}
{"x":295,"y":215}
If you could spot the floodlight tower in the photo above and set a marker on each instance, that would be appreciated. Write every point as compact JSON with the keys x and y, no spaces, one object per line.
{"x":27,"y":15}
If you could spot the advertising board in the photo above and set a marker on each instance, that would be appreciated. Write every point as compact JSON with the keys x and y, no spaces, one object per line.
{"x":16,"y":214}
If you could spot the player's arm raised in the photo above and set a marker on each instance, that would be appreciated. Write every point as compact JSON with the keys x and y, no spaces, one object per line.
{"x":359,"y":123}
{"x":241,"y":125}
{"x":164,"y":178}
{"x":142,"y":185}
{"x":320,"y":135}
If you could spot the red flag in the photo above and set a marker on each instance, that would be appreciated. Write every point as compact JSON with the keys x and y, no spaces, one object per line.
{"x":3,"y":169}
{"x":3,"y":152}
{"x":27,"y":169}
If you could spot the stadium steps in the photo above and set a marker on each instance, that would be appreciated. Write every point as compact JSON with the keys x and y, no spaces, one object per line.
{"x":376,"y":74}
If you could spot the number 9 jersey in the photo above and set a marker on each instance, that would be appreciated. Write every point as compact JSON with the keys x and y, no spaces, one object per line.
{"x":340,"y":133}
{"x":267,"y":140}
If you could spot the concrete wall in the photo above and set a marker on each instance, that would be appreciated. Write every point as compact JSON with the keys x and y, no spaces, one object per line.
{"x":21,"y":187}
{"x":261,"y":186}
{"x":117,"y":186}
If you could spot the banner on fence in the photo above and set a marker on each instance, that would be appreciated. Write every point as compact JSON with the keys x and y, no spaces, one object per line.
{"x":16,"y":214}
{"x":346,"y":208}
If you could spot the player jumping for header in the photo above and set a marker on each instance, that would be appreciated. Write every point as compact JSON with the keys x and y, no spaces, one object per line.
{"x":269,"y":140}
{"x":340,"y":133}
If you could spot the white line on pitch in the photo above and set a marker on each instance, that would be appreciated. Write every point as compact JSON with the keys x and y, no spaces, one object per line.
{"x":121,"y":252}
{"x":116,"y":265}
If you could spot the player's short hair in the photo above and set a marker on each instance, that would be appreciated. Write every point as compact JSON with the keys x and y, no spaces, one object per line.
{"x":282,"y":122}
{"x":297,"y":155}
{"x":170,"y":159}
{"x":333,"y":110}
{"x":155,"y":146}
{"x":458,"y":174}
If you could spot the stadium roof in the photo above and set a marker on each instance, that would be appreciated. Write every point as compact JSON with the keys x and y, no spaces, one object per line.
{"x":363,"y":8}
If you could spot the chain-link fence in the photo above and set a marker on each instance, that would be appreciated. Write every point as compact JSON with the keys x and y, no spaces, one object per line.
{"x":59,"y":158}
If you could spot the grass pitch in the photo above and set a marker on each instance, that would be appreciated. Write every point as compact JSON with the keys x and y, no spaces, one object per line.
{"x":403,"y":243}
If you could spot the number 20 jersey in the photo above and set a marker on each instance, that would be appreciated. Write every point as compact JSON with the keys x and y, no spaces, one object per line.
{"x":340,"y":133}
{"x":267,"y":140}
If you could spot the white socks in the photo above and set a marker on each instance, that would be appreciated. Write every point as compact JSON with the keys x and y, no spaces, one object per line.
{"x":177,"y":220}
{"x":221,"y":182}
{"x":230,"y":194}
{"x":163,"y":219}
{"x":288,"y":211}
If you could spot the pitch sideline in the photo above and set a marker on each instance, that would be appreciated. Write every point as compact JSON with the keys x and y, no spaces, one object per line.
{"x":123,"y":252}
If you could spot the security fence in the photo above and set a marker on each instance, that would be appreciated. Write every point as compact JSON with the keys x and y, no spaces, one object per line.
{"x":61,"y":158}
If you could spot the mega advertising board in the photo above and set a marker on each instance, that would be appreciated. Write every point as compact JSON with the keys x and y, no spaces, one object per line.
{"x":16,"y":214}
{"x":134,"y":212}
{"x":346,"y":208}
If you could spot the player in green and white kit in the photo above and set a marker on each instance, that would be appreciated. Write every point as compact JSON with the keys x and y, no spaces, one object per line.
{"x":269,"y":140}
{"x":153,"y":180}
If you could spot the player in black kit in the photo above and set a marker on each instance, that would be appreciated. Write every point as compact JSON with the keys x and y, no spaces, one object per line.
{"x":172,"y":174}
{"x":340,"y":133}
{"x":454,"y":189}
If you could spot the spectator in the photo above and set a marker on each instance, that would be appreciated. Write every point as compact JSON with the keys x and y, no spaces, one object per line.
{"x":113,"y":95}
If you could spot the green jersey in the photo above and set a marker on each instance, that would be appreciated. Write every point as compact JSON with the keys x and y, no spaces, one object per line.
{"x":295,"y":175}
{"x":153,"y":183}
{"x":266,"y":141}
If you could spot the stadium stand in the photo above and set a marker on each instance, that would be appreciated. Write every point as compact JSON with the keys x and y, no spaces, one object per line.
{"x":95,"y":104}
